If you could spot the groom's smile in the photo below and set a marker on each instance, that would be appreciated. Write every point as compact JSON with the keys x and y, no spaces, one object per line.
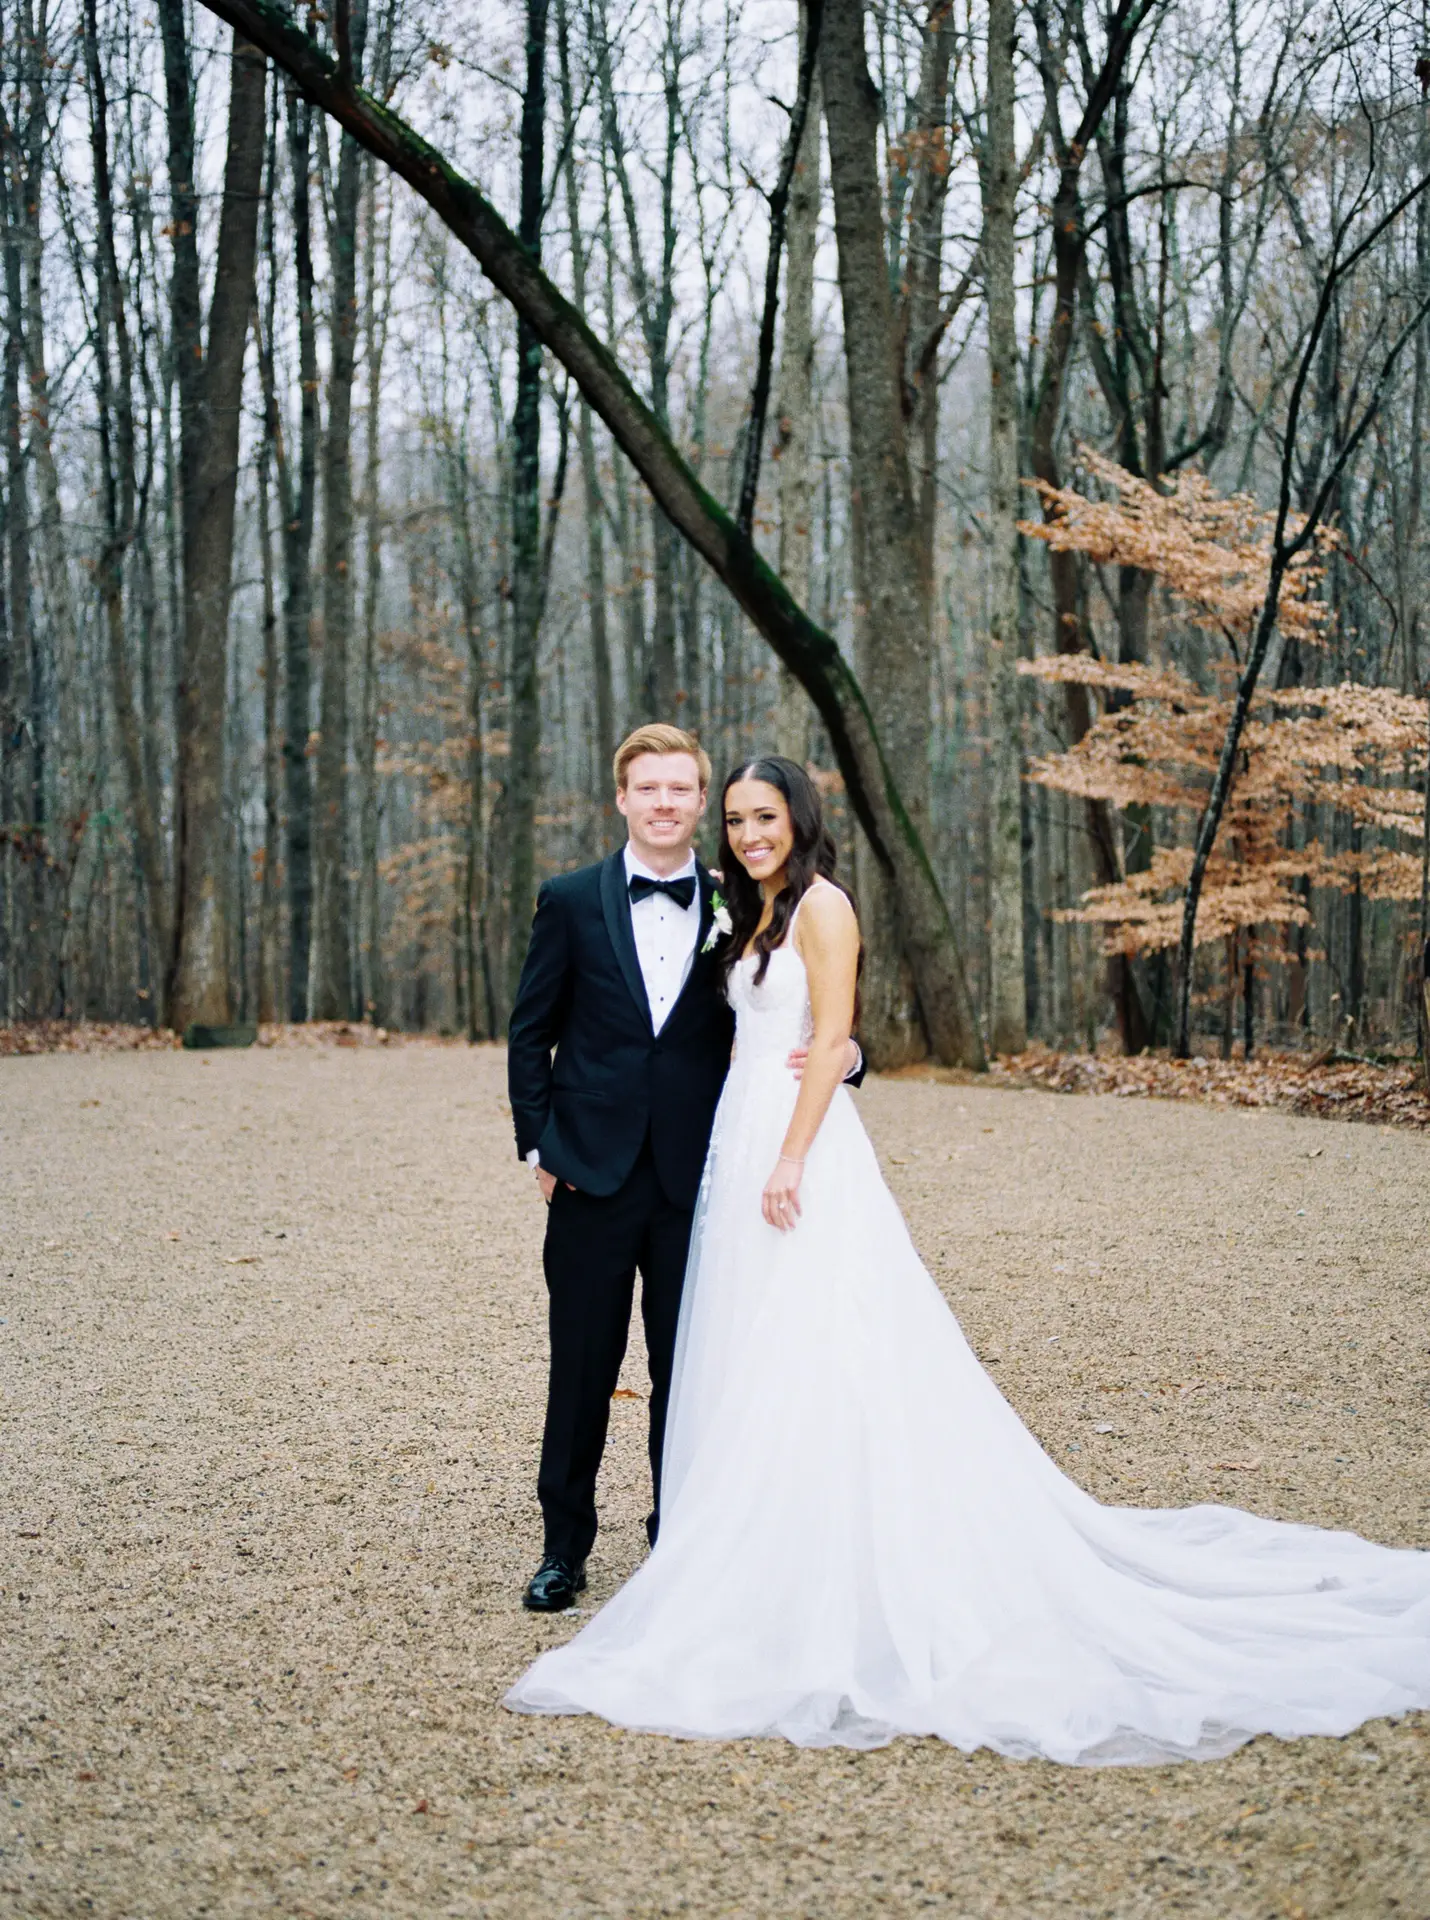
{"x":662,"y":801}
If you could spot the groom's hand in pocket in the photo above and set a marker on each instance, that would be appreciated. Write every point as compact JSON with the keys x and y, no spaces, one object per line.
{"x":547,"y":1183}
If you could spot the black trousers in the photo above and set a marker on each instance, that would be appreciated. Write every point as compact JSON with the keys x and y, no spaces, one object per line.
{"x":594,"y":1249}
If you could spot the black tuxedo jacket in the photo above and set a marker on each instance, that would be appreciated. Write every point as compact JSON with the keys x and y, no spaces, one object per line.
{"x":613,"y":1078}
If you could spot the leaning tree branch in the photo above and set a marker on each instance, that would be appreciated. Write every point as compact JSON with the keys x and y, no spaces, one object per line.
{"x":1283,"y":553}
{"x":779,"y":208}
{"x":811,"y":654}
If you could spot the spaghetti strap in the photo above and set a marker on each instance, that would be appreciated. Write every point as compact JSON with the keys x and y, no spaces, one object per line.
{"x":788,"y":940}
{"x":818,"y":881}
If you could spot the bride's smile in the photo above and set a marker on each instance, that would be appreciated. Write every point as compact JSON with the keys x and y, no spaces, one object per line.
{"x":760,"y":831}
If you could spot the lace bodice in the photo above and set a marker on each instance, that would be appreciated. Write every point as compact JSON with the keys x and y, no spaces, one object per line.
{"x":774,"y":1016}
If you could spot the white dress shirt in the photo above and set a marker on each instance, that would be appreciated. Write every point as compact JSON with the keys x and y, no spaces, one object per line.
{"x":665,"y":937}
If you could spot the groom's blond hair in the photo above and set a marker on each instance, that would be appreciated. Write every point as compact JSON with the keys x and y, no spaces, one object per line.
{"x":659,"y":738}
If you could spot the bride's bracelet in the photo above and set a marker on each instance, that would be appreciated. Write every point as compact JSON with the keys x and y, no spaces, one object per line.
{"x":790,"y":1160}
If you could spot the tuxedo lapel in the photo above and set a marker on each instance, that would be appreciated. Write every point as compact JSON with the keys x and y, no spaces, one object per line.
{"x":707,"y":908}
{"x":616,"y":910}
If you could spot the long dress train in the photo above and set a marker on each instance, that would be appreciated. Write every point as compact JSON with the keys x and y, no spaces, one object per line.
{"x":860,"y":1539}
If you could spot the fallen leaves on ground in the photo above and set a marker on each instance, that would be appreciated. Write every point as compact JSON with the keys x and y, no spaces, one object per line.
{"x":95,"y":1036}
{"x":83,"y":1036}
{"x":1327,"y":1086}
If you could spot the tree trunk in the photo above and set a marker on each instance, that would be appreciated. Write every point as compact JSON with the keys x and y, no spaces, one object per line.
{"x":1007,"y":1012}
{"x":809,"y":651}
{"x":481,"y":1008}
{"x":378,"y":249}
{"x":1414,"y":625}
{"x":58,"y":599}
{"x":524,"y":762}
{"x":796,"y":404}
{"x":332,"y":965}
{"x":299,"y":504}
{"x":631,"y":592}
{"x":270,"y":969}
{"x":1069,"y":243}
{"x":655,"y":304}
{"x":597,"y":626}
{"x":892,"y":635}
{"x":270,"y":973}
{"x":209,"y":467}
{"x":19,"y":741}
{"x":117,"y":468}
{"x":11,"y":993}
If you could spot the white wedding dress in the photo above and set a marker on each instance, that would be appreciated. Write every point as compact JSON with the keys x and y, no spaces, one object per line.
{"x":859,"y":1537}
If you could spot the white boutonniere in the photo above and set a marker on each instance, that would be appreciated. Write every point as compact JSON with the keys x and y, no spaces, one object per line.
{"x":720,"y":924}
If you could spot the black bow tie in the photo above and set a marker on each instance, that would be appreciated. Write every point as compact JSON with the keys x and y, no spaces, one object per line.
{"x":681,"y":891}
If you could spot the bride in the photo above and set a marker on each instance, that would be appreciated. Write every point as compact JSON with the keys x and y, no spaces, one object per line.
{"x":859,"y":1538}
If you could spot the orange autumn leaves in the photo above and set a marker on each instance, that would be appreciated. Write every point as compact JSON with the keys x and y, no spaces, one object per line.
{"x":1354,"y":750}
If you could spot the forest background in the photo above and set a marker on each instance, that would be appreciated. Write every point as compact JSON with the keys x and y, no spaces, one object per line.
{"x":1002,"y":332}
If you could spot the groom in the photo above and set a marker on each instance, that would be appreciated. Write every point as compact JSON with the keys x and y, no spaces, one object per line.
{"x":622,"y":982}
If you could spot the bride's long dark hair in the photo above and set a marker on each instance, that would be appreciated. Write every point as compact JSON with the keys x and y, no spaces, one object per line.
{"x":813,"y":856}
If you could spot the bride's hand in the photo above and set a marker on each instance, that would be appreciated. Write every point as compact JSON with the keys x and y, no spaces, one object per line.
{"x":780,"y":1200}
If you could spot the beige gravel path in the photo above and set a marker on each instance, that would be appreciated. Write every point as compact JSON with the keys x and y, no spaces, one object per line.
{"x":271,"y":1367}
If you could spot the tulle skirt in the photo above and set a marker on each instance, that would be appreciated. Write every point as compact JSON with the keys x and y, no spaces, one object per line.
{"x":860,"y":1539}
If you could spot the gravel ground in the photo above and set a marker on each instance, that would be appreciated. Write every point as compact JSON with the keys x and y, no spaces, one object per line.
{"x":271,"y":1355}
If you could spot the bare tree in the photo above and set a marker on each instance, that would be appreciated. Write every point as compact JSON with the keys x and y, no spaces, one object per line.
{"x":891,"y":571}
{"x":332,"y":965}
{"x":113,"y":359}
{"x":795,"y":442}
{"x":524,"y":764}
{"x":1294,"y":534}
{"x":603,"y":688}
{"x":210,"y":393}
{"x":1007,"y":1013}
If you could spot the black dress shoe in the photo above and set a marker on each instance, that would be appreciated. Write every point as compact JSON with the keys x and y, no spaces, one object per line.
{"x":554,"y":1585}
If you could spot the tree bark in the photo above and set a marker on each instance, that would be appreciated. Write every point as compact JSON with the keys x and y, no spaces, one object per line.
{"x":795,"y":445}
{"x":892,"y":636}
{"x":332,"y":961}
{"x":270,"y":969}
{"x":1415,"y":620}
{"x":20,"y":740}
{"x":270,"y":972}
{"x":597,"y":626}
{"x":810,"y":652}
{"x":114,"y":376}
{"x":655,"y":305}
{"x":202,"y":989}
{"x":1069,"y":242}
{"x":1008,"y":1011}
{"x":523,"y":783}
{"x":481,"y":1006}
{"x":11,"y":829}
{"x":377,"y":247}
{"x":299,"y":513}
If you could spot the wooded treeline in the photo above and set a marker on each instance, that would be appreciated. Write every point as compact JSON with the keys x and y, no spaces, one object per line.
{"x":325,"y":592}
